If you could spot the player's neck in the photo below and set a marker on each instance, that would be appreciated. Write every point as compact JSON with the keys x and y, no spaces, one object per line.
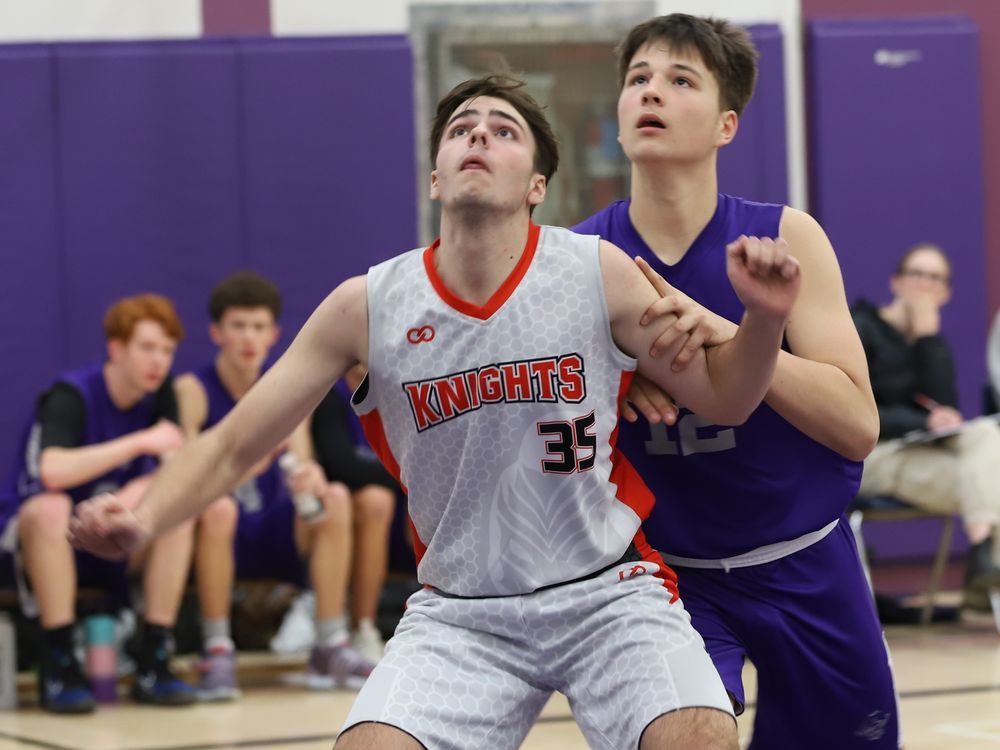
{"x":123,"y":394}
{"x":476,"y":255}
{"x":236,"y":380}
{"x":672,"y":205}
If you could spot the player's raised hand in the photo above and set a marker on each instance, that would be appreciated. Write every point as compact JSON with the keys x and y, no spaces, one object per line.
{"x":106,"y":527}
{"x":697,"y":325}
{"x":763,"y":273}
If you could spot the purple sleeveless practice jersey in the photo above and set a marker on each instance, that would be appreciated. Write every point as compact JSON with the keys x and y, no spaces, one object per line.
{"x":265,"y":489}
{"x":265,"y":533}
{"x":722,"y":491}
{"x":104,"y":422}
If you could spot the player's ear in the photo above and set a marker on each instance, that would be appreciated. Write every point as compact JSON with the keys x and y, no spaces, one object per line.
{"x":729,"y":123}
{"x":115,"y":349}
{"x":215,"y":333}
{"x":536,"y":190}
{"x":435,"y":190}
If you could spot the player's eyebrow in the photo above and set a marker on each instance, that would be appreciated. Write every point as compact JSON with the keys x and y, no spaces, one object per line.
{"x":676,"y":66}
{"x":492,"y":113}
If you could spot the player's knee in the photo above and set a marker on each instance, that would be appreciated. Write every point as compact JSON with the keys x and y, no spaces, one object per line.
{"x":692,"y":729}
{"x":48,"y":513}
{"x":372,"y":736}
{"x":374,"y":506}
{"x":219,"y":518}
{"x":336,"y":499}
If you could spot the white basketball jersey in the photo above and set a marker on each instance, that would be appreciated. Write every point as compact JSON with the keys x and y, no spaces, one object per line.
{"x":500,"y":420}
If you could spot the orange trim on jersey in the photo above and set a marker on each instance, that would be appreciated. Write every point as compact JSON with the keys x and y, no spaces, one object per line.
{"x":371,"y":423}
{"x":500,"y":296}
{"x":632,"y":491}
{"x":419,"y":548}
{"x":666,"y":573}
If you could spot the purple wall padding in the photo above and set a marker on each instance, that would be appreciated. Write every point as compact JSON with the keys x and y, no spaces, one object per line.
{"x":163,"y":166}
{"x":896,"y":159}
{"x":151,"y":177}
{"x":31,"y":289}
{"x":330,"y":169}
{"x":755,"y":164}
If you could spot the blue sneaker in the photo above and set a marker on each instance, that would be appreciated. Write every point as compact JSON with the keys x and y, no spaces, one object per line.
{"x":62,"y":688}
{"x":159,"y":686}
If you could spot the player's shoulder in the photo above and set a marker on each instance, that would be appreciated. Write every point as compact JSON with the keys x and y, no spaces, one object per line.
{"x":188,"y":383}
{"x":798,"y":221}
{"x":190,"y":390}
{"x":599,"y":222}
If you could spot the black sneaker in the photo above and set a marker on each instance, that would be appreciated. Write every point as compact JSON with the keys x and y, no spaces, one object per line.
{"x":157,"y":685}
{"x":62,"y":688}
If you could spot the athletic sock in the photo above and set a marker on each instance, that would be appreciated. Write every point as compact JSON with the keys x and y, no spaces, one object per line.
{"x":216,"y":634}
{"x":332,"y":631}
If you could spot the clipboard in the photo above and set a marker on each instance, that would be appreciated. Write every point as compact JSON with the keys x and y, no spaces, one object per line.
{"x":924,"y":437}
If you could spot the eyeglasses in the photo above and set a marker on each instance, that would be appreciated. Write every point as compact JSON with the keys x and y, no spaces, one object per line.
{"x":916,"y":273}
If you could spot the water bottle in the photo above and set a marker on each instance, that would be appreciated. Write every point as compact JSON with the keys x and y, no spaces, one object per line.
{"x":307,"y":505}
{"x":8,"y":663}
{"x":102,"y":657}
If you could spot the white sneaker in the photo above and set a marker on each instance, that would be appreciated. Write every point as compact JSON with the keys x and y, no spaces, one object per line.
{"x":367,"y":641}
{"x":297,"y":633}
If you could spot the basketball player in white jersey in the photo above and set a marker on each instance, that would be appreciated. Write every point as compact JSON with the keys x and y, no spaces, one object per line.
{"x":497,"y":359}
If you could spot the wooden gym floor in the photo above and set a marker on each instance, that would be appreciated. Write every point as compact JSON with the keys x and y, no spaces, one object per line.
{"x":948,"y":676}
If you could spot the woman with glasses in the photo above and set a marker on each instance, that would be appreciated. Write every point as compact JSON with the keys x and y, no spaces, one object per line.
{"x":950,"y":467}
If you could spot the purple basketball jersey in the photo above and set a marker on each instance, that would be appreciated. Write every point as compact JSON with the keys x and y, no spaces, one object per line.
{"x":722,"y":491}
{"x":104,"y":422}
{"x":265,"y":533}
{"x":265,"y":489}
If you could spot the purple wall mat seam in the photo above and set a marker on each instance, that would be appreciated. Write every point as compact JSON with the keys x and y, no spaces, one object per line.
{"x":243,"y":157}
{"x":60,"y":204}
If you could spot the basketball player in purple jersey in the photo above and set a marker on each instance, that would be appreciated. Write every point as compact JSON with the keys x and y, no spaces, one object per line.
{"x":751,"y":517}
{"x":101,"y":428}
{"x":255,"y":532}
{"x":496,"y":359}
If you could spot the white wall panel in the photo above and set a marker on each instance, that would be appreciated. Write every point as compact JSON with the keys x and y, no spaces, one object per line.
{"x":54,"y":20}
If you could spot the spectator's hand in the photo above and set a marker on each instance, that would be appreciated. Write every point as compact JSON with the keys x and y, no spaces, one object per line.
{"x":105,"y":526}
{"x":650,"y":400}
{"x":925,"y":315}
{"x":162,"y":439}
{"x":763,"y":274}
{"x":943,"y":418}
{"x":698,"y":325}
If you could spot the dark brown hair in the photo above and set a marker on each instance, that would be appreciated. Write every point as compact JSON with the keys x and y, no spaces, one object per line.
{"x":124,"y":315}
{"x":901,"y":266}
{"x":244,"y":289}
{"x":725,"y":49}
{"x":511,"y":90}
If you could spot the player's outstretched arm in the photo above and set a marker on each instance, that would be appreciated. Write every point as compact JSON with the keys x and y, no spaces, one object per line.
{"x":333,"y":339}
{"x":726,"y":383}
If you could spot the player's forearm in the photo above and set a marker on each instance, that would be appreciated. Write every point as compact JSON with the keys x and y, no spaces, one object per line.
{"x":65,"y":468}
{"x":741,"y":369}
{"x":203,"y":470}
{"x":824,"y":403}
